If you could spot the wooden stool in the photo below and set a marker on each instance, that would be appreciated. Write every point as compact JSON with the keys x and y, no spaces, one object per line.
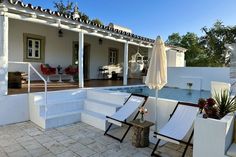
{"x":140,"y":137}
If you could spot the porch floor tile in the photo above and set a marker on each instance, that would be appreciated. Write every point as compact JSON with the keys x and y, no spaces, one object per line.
{"x":38,"y":86}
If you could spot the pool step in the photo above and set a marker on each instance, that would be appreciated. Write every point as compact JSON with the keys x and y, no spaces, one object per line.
{"x":94,"y":119}
{"x":100,"y":107}
{"x":106,"y":96}
{"x":99,"y":104}
{"x":59,"y":96}
{"x":67,"y":107}
{"x":63,"y":119}
{"x":62,"y":107}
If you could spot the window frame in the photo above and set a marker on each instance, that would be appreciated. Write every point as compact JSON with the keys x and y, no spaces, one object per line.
{"x":113,"y":60}
{"x":41,"y":48}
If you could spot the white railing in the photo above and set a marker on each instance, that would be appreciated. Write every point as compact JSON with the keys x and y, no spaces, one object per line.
{"x":40,"y":76}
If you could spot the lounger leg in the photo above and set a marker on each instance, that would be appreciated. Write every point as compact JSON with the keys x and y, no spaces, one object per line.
{"x":186,"y":147}
{"x":108,"y":129}
{"x":125,"y":133}
{"x":154,"y":149}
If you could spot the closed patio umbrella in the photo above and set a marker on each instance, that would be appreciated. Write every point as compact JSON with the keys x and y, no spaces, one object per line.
{"x":157,"y":71}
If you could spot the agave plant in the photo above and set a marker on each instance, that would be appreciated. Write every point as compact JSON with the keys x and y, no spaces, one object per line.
{"x":225,"y":103}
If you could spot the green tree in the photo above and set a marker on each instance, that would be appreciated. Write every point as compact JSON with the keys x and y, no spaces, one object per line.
{"x":64,"y":8}
{"x":174,"y":39}
{"x":209,"y":49}
{"x":97,"y":21}
{"x":190,"y":41}
{"x":83,"y":16}
{"x":194,"y":53}
{"x":214,"y":42}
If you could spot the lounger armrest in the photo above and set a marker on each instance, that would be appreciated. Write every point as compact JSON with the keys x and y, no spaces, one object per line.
{"x":114,"y":119}
{"x":124,"y":122}
{"x":167,"y":137}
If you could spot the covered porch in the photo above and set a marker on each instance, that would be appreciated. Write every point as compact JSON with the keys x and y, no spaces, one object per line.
{"x":102,"y":60}
{"x":33,"y":36}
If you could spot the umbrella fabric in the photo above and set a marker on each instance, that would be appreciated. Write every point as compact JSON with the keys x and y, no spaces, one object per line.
{"x":157,"y":71}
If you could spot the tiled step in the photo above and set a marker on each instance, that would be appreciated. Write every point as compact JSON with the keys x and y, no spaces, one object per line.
{"x":62,"y":107}
{"x":63,"y":119}
{"x":95,"y":119}
{"x":59,"y":96}
{"x":100,"y":107}
{"x":116,"y":98}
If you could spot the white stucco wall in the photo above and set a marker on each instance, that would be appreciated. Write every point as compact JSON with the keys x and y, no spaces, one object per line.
{"x":14,"y":108}
{"x":212,"y":137}
{"x":58,"y":51}
{"x":99,"y":53}
{"x":175,"y":58}
{"x":201,"y":77}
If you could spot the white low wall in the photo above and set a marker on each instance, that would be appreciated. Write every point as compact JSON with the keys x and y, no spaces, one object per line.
{"x":201,"y":77}
{"x":213,"y":137}
{"x":14,"y":108}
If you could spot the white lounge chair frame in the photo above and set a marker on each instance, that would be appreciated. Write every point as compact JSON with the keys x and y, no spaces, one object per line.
{"x":168,"y":132}
{"x":122,"y":114}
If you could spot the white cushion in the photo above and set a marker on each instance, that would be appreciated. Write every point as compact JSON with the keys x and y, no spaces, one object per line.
{"x":232,"y":150}
{"x":180,"y":123}
{"x":127,"y":110}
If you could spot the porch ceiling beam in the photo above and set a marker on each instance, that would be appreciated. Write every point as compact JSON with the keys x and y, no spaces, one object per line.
{"x":51,"y":17}
{"x":54,"y":23}
{"x":30,"y":19}
{"x":119,"y":39}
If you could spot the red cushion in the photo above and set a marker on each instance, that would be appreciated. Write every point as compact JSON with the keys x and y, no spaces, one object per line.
{"x":47,"y":70}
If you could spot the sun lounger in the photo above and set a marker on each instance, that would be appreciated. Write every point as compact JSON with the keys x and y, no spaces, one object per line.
{"x":119,"y":118}
{"x":178,"y":126}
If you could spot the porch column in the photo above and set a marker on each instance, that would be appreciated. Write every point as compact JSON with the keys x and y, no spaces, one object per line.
{"x":3,"y":55}
{"x":126,"y":66}
{"x":81,"y":59}
{"x":149,"y":53}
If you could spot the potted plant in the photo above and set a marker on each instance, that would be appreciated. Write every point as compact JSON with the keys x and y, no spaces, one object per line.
{"x":225,"y":103}
{"x":219,"y":106}
{"x":215,"y":130}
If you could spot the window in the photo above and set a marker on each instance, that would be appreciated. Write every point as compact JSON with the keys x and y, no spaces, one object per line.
{"x":113,"y":56}
{"x":34,"y":46}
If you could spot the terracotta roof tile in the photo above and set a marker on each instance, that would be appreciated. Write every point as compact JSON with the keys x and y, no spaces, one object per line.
{"x":66,"y":16}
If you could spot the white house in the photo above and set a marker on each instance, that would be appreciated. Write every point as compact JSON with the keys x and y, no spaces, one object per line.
{"x":62,"y":40}
{"x":176,"y":57}
{"x":31,"y":36}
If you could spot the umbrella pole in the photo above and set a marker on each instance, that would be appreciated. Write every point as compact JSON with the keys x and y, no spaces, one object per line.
{"x":156,"y":111}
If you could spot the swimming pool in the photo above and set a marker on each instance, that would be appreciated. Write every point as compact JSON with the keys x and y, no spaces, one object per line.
{"x":168,"y":93}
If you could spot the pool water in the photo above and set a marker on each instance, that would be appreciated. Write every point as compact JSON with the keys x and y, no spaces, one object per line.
{"x":168,"y":93}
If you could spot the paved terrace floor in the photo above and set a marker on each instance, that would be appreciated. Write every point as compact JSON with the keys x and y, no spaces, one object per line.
{"x":54,"y":85}
{"x":76,"y":140}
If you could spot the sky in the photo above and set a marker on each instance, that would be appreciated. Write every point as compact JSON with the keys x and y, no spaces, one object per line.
{"x":150,"y":18}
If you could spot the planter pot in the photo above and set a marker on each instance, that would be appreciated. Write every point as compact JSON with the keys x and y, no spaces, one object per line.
{"x":212,"y":137}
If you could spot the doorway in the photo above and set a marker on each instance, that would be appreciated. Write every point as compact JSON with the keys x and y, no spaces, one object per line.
{"x":86,"y":57}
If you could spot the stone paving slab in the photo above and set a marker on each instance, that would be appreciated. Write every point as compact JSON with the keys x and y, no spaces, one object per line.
{"x":76,"y":140}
